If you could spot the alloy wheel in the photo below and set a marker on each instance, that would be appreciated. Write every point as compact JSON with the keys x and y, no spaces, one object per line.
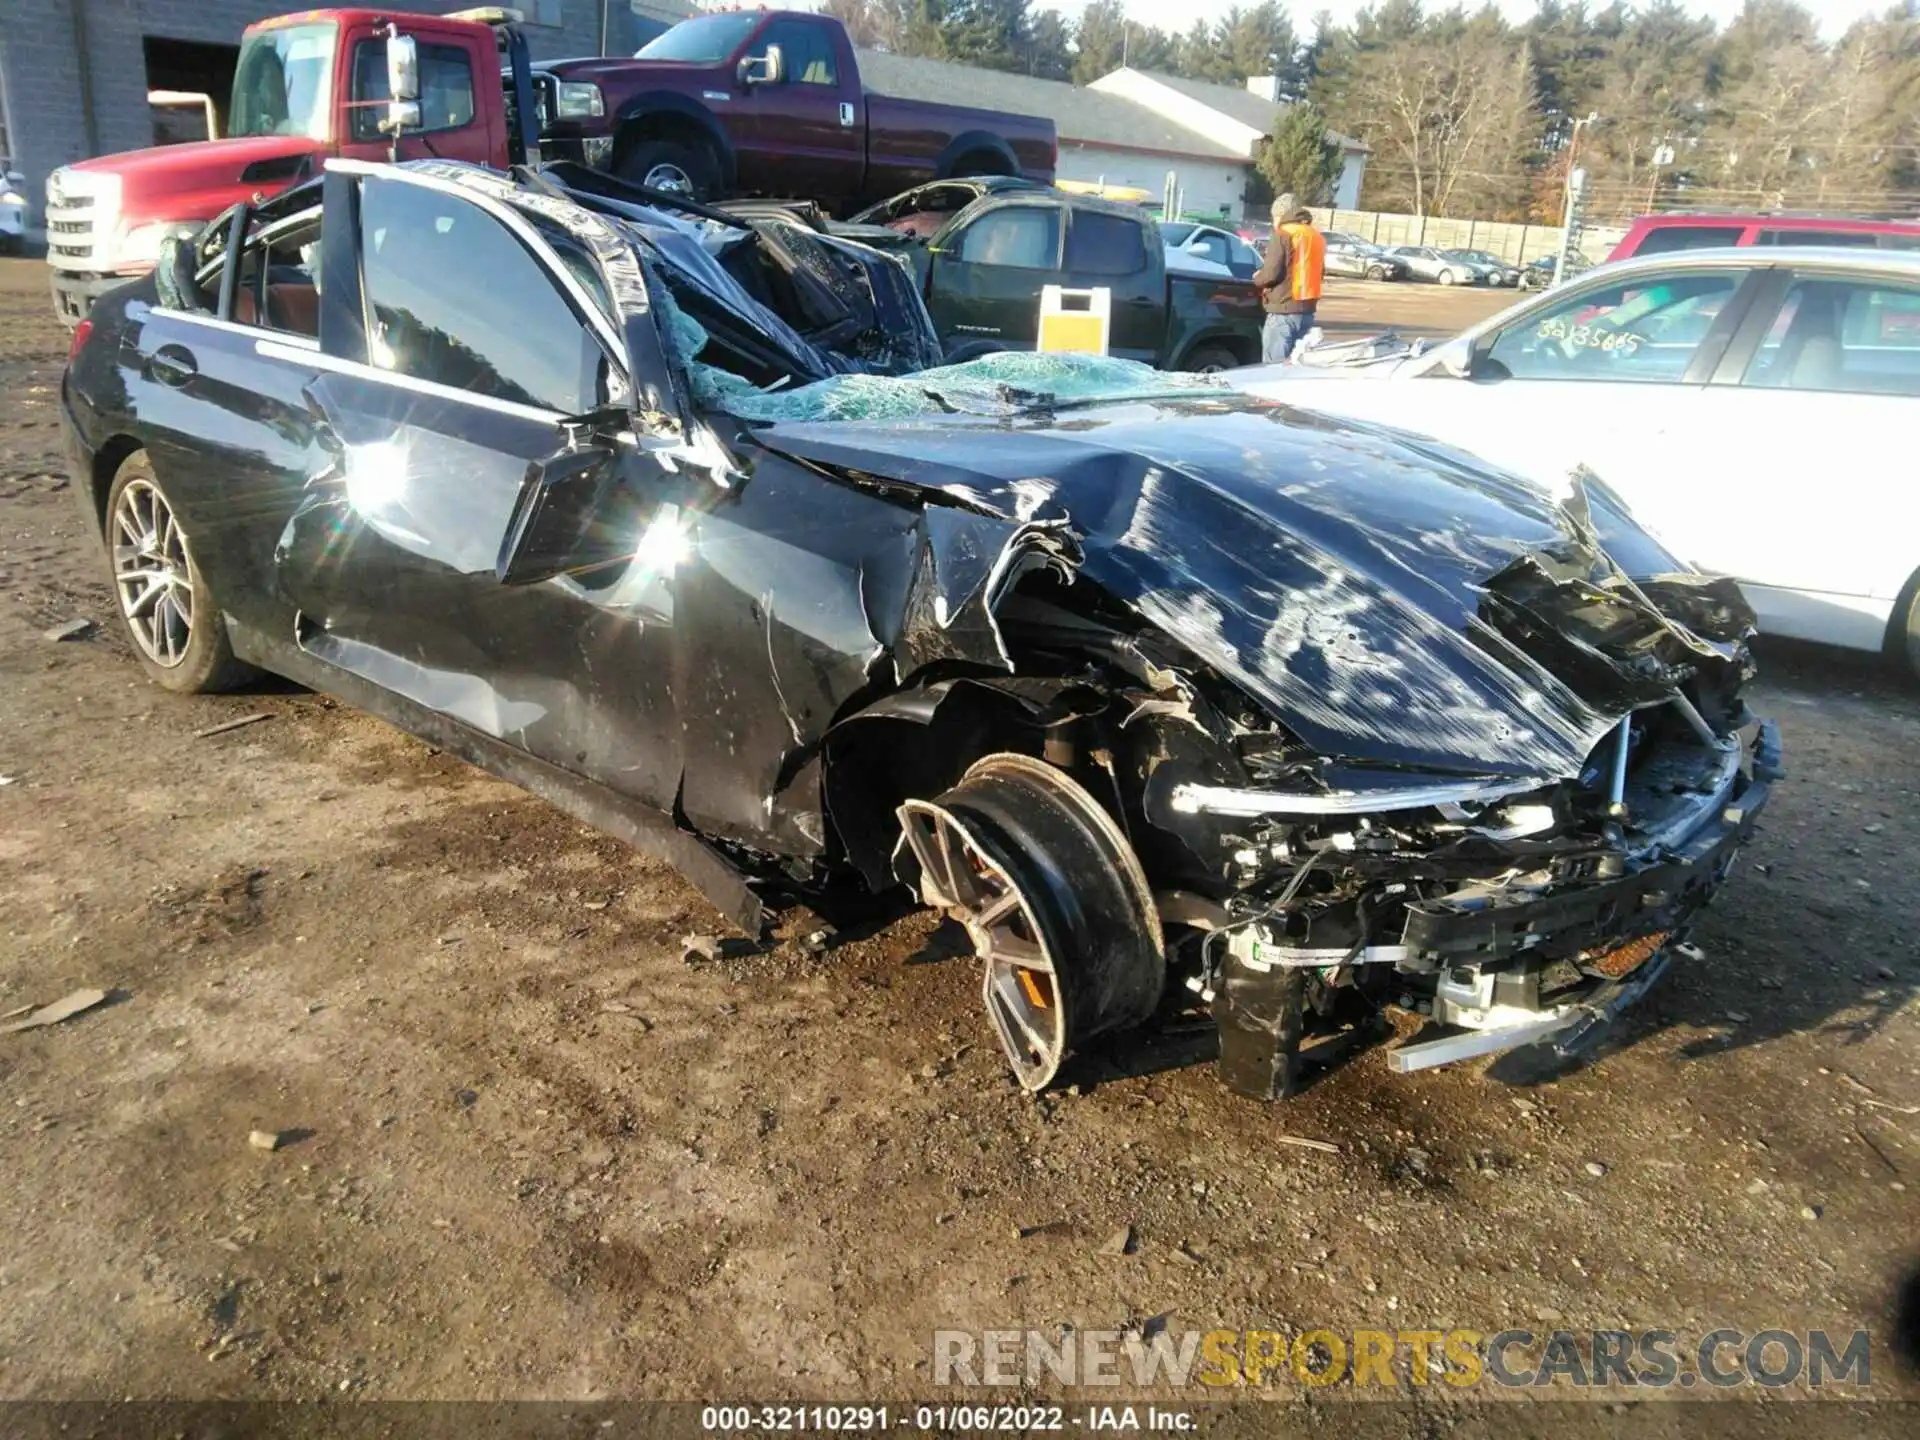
{"x":1020,"y":985}
{"x":1052,"y":898}
{"x":152,"y":573}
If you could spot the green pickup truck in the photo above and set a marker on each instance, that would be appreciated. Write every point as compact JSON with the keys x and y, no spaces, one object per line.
{"x":983,"y":247}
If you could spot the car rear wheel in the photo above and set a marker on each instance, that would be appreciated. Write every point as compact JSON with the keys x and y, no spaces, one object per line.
{"x":1053,"y":899}
{"x":170,"y":615}
{"x":1210,"y":360}
{"x":1902,"y":644}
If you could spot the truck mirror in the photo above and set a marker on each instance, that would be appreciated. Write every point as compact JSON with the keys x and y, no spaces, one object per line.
{"x":767,"y":69}
{"x":403,"y":68}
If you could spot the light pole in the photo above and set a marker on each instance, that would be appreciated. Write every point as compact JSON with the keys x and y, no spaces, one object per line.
{"x":1576,"y":189}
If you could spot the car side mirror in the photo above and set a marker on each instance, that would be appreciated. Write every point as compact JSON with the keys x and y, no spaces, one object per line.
{"x":403,"y":85}
{"x":1455,"y":358}
{"x":560,"y":520}
{"x":767,"y":69}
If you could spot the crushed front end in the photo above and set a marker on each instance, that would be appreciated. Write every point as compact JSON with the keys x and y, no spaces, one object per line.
{"x":1500,"y":910}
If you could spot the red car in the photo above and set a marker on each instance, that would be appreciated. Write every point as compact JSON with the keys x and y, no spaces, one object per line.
{"x":1658,"y":234}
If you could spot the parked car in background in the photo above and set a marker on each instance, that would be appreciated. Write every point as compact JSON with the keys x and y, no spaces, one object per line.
{"x":1755,"y":408}
{"x":1493,"y":269}
{"x":13,"y":210}
{"x":1538,"y":274}
{"x":770,"y":102}
{"x":1429,"y":262}
{"x":1211,"y":244}
{"x":1160,"y":691}
{"x":1362,"y":261}
{"x":1685,"y":230}
{"x":983,"y":250}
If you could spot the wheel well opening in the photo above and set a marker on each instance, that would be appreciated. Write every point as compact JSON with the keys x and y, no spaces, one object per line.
{"x":664,"y":125}
{"x":107,"y":461}
{"x":982,"y":162}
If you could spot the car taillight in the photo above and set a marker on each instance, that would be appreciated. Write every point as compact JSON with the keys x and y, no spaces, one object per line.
{"x":81,"y":332}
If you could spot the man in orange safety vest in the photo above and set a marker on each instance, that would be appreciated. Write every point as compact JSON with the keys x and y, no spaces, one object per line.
{"x":1289,"y":278}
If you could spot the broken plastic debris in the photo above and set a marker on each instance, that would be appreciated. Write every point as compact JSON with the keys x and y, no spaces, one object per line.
{"x":65,"y":1009}
{"x":699,"y":947}
{"x":76,"y":629}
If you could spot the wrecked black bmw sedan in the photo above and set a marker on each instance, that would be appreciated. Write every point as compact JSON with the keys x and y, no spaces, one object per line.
{"x":1173,"y":698}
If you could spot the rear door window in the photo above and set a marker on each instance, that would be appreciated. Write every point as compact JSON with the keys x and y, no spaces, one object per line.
{"x":1016,"y":237}
{"x":1664,"y":238}
{"x":1862,"y":238}
{"x":455,"y":298}
{"x":1635,"y":330}
{"x":1106,"y":245}
{"x":1842,"y":335}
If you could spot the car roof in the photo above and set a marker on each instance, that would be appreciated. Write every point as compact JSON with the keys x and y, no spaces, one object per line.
{"x":1902,"y":263}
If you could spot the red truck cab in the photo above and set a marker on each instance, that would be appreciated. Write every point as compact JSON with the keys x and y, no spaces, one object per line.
{"x":307,"y":86}
{"x":751,"y":102}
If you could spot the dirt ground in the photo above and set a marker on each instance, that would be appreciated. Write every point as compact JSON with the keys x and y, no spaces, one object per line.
{"x":534,"y":1153}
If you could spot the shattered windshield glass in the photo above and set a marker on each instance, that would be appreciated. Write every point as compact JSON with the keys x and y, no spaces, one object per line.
{"x":1009,"y":382}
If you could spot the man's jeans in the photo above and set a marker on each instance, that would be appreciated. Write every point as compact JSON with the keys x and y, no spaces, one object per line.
{"x":1281,"y":334}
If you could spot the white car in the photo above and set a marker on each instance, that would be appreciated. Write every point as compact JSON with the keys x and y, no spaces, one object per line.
{"x":1430,"y":262}
{"x":1212,"y":245}
{"x":1756,"y":408}
{"x":13,"y":210}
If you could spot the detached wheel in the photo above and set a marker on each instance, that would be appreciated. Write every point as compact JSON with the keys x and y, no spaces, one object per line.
{"x":1211,"y":360}
{"x":1054,"y":900}
{"x":670,"y":166}
{"x":176,"y":626}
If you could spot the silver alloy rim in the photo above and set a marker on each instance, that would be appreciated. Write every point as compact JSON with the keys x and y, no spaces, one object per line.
{"x":670,"y":178}
{"x":1019,"y":986}
{"x":152,"y":574}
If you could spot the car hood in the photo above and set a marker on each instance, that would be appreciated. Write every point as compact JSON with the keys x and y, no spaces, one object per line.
{"x":199,"y":163}
{"x":1368,"y":589}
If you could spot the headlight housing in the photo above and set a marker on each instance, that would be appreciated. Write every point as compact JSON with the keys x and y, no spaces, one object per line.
{"x":579,"y":100}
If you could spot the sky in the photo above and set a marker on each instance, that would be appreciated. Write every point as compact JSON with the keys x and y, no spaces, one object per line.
{"x":1178,"y":15}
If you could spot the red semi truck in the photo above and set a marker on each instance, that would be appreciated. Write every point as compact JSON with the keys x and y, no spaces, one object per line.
{"x":751,"y":102}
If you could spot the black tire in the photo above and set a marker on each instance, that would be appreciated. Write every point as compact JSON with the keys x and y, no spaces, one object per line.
{"x":1447,"y":278}
{"x":193,"y":656}
{"x":1209,"y":360}
{"x":651,"y":161}
{"x":1902,"y":643}
{"x":1377,"y":272}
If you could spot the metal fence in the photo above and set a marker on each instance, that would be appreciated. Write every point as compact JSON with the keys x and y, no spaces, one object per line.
{"x":1516,"y":244}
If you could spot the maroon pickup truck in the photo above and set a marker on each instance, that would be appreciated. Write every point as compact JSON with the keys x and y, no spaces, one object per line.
{"x":754,"y":102}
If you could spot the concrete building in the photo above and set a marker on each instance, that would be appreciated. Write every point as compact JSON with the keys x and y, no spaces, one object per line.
{"x":1234,"y":119}
{"x":75,"y":74}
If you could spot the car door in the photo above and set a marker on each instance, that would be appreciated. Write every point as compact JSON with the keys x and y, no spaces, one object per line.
{"x":220,"y":392}
{"x":448,"y":128}
{"x":1812,"y":408}
{"x":1604,"y":375}
{"x":1110,"y":252}
{"x":802,"y":134}
{"x":986,"y":270}
{"x":486,"y":360}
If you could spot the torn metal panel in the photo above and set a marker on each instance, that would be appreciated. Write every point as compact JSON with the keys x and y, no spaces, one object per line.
{"x":1340,"y":578}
